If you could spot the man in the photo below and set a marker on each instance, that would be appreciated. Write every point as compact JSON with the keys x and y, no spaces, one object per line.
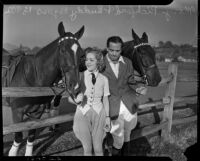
{"x":122,"y":100}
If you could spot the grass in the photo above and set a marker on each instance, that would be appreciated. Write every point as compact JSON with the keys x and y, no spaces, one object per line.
{"x":182,"y":136}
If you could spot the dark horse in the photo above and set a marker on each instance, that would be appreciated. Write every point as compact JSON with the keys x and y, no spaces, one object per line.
{"x":58,"y":60}
{"x":143,"y":59}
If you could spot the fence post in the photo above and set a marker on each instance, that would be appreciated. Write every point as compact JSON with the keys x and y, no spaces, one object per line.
{"x":168,"y":109}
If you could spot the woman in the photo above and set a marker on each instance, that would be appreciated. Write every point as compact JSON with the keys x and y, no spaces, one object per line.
{"x":91,"y":120}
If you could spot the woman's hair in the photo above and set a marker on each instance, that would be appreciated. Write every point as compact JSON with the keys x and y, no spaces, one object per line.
{"x":99,"y":56}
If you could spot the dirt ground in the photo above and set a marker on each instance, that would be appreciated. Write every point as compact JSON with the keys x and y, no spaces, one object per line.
{"x":63,"y":142}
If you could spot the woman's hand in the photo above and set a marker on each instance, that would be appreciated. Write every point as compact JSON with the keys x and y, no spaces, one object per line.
{"x":76,"y":100}
{"x":79,"y":98}
{"x":142,"y":90}
{"x":107,"y":127}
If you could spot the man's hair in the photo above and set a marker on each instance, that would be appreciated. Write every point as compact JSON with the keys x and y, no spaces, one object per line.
{"x":114,"y":39}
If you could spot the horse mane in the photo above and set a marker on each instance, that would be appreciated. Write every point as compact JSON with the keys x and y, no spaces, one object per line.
{"x":48,"y":47}
{"x":5,"y":51}
{"x":128,"y":46}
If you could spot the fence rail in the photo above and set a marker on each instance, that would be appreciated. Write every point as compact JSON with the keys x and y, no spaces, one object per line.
{"x":31,"y":91}
{"x":24,"y":126}
{"x":47,"y":91}
{"x":167,"y":102}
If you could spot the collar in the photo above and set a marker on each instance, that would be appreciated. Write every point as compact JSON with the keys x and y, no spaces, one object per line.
{"x":88,"y":73}
{"x":120,"y":59}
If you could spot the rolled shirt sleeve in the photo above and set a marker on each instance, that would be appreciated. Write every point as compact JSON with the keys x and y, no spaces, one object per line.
{"x":106,"y":87}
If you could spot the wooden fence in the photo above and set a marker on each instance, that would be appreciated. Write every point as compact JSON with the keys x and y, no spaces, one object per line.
{"x":167,"y":102}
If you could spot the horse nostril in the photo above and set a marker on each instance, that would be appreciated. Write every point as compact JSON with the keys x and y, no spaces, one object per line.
{"x":77,"y":92}
{"x":70,"y":85}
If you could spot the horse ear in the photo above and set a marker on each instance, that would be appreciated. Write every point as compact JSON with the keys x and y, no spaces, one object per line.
{"x":61,"y":29}
{"x":79,"y":33}
{"x":135,"y":37}
{"x":144,"y":38}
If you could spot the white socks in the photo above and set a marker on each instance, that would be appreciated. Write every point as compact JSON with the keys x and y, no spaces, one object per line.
{"x":14,"y":149}
{"x":29,"y":149}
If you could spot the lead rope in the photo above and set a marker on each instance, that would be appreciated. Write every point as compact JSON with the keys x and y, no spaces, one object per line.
{"x":65,"y":86}
{"x":55,"y":93}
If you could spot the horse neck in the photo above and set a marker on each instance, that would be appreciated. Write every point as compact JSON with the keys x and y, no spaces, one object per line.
{"x":128,"y":52}
{"x":46,"y":62}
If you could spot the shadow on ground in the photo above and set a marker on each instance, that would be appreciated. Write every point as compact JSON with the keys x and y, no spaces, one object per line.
{"x":140,"y":147}
{"x":44,"y":136}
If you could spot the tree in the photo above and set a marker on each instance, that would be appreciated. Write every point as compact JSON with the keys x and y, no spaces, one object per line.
{"x":186,"y":46}
{"x":160,"y":58}
{"x":175,"y":59}
{"x":168,"y":44}
{"x":176,"y":53}
{"x":160,"y":44}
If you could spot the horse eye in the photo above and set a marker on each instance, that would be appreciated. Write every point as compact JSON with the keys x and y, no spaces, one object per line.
{"x":145,"y":61}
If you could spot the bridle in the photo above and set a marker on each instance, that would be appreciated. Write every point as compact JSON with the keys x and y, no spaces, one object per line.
{"x":66,"y":68}
{"x":141,"y":66}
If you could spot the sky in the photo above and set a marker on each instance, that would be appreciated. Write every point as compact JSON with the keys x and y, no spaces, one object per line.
{"x":37,"y":25}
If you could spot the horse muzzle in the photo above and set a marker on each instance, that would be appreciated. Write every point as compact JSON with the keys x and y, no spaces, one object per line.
{"x":74,"y":92}
{"x":153,"y":81}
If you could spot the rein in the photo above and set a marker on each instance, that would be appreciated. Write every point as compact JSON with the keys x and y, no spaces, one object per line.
{"x":65,"y":87}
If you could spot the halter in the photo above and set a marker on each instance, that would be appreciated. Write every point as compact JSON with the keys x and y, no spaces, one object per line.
{"x":142,"y":44}
{"x":144,"y":75}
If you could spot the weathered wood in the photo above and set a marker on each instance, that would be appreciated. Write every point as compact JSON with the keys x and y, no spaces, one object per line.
{"x":160,"y":102}
{"x":168,"y":108}
{"x":186,"y":79}
{"x":166,"y":101}
{"x":166,"y":80}
{"x":184,"y":120}
{"x":185,"y":99}
{"x":69,"y":117}
{"x":147,"y":130}
{"x":156,"y":127}
{"x":154,"y":103}
{"x":169,"y":78}
{"x":24,"y":126}
{"x":30,"y":91}
{"x":47,"y":91}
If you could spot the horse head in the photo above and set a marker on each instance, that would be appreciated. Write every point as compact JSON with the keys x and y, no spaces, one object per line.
{"x":69,"y":53}
{"x":143,"y":58}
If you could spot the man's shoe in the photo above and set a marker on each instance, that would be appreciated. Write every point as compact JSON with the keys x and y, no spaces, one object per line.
{"x":126,"y":149}
{"x":116,"y":152}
